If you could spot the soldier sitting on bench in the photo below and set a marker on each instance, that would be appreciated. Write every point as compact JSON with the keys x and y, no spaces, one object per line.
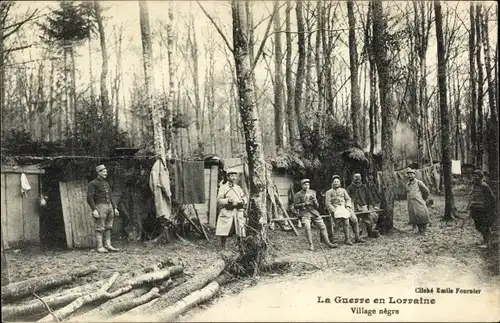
{"x":362,"y":201}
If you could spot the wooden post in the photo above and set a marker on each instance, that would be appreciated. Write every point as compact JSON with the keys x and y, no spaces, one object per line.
{"x":214,"y":176}
{"x":5,"y":271}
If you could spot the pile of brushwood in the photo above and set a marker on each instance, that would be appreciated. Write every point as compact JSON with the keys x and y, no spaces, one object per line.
{"x":161,"y":292}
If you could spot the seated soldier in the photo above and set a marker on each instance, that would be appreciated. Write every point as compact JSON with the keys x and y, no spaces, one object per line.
{"x":362,"y":201}
{"x":306,"y":204}
{"x":339,"y":205}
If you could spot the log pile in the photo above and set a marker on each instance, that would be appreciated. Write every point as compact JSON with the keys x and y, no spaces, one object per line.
{"x":160,"y":292}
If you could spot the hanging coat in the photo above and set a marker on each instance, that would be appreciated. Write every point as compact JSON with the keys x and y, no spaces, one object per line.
{"x":417,"y":193}
{"x":228,"y":215}
{"x":159,"y":182}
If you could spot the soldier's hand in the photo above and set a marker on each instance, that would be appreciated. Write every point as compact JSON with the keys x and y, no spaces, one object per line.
{"x":95,"y":214}
{"x":230,"y":201}
{"x":117,"y":213}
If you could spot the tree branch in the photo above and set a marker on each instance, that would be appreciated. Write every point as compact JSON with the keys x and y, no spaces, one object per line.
{"x":18,"y":25}
{"x":261,"y":47}
{"x":216,"y":26}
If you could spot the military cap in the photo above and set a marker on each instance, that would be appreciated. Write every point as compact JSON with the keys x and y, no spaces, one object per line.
{"x":305,"y":180}
{"x":99,"y":168}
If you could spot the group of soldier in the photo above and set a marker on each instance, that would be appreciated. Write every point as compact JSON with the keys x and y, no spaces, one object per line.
{"x":347,"y":207}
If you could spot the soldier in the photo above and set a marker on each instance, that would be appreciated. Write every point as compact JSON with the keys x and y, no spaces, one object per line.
{"x":482,"y":208}
{"x":338,"y":203}
{"x":306,"y":203}
{"x":362,"y":201}
{"x":103,"y":209}
{"x":232,"y":201}
{"x":417,"y":194}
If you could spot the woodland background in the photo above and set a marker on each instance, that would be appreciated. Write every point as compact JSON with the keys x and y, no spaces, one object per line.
{"x":72,"y":75}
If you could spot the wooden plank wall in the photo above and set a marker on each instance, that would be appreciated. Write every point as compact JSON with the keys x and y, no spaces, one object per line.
{"x":78,"y":221}
{"x":283,"y":183}
{"x":203,"y":208}
{"x":19,"y":214}
{"x":3,"y":209}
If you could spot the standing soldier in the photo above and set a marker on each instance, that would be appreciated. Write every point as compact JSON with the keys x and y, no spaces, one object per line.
{"x":362,"y":201}
{"x":306,"y":203}
{"x":338,"y":203}
{"x":417,"y":193}
{"x":232,"y":201}
{"x":482,"y":208}
{"x":103,"y":209}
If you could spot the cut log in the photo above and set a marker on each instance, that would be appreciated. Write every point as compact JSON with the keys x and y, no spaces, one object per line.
{"x":101,"y":294}
{"x":200,"y":296}
{"x":177,"y":293}
{"x":112,"y":306}
{"x":139,"y":309}
{"x":27,"y":287}
{"x":122,"y":281}
{"x":154,"y":276}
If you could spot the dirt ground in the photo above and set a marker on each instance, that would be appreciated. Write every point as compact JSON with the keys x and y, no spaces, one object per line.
{"x":448,"y":253}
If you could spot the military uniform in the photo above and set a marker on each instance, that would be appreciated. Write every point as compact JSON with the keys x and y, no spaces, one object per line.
{"x":103,"y":210}
{"x":231,"y":213}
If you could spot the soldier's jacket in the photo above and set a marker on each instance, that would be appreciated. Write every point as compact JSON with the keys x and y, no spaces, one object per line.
{"x":300,"y":200}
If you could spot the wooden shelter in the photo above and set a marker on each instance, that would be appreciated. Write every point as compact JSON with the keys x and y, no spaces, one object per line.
{"x":20,"y":209}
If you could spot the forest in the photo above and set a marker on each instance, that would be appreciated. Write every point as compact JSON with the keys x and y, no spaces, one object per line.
{"x":407,"y":83}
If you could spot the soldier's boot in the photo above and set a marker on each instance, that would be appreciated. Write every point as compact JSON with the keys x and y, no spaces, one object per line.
{"x":326,"y":240}
{"x":345,"y":228}
{"x":107,"y":241}
{"x":307,"y":227}
{"x":100,"y":247}
{"x":355,"y":228}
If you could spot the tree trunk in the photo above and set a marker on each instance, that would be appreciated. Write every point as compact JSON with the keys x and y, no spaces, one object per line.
{"x":472,"y":87}
{"x":299,"y":79}
{"x":198,"y":109}
{"x":493,"y":119}
{"x":147,"y":54}
{"x":449,"y":212}
{"x":195,"y":298}
{"x":171,"y":80}
{"x":279,"y":119}
{"x":293,"y":130}
{"x":379,"y":41}
{"x":353,"y":61}
{"x":251,"y":126}
{"x":480,"y":91}
{"x":5,"y":270}
{"x":3,"y":109}
{"x":104,"y":67}
{"x":26,"y":287}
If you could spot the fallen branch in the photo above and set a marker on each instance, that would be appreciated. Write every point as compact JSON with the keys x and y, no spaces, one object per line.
{"x":55,"y":300}
{"x":98,"y":295}
{"x":123,"y":280}
{"x":111,"y":307}
{"x":27,"y":287}
{"x":139,"y":309}
{"x":45,"y":304}
{"x":200,"y":296}
{"x":179,"y":292}
{"x":154,"y":276}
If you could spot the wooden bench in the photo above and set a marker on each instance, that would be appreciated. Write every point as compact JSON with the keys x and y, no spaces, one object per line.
{"x":328,"y":215}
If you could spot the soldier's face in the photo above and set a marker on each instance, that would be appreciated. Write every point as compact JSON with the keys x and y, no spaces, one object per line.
{"x":233,"y":178}
{"x":411,"y":176}
{"x":357,"y":178}
{"x":336,"y":182}
{"x":103,"y":173}
{"x":306,"y":186}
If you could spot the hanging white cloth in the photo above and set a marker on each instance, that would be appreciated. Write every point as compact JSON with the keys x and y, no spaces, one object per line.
{"x":456,"y":168}
{"x":25,"y":185}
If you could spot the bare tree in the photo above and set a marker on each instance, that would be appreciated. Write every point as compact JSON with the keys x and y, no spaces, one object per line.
{"x":380,"y":42}
{"x":449,"y":212}
{"x":353,"y":60}
{"x":171,"y":80}
{"x":480,"y":90}
{"x":493,"y":118}
{"x":251,"y":125}
{"x":472,"y":86}
{"x":104,"y":67}
{"x":293,"y":130}
{"x":147,"y":55}
{"x":279,"y":119}
{"x":299,"y":78}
